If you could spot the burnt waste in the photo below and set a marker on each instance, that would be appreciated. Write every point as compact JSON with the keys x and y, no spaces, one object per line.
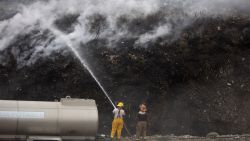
{"x":194,"y":81}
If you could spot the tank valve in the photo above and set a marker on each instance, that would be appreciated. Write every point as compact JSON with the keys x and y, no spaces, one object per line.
{"x":68,"y":97}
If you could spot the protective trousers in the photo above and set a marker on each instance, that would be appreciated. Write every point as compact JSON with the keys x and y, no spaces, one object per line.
{"x":141,"y":129}
{"x":117,"y":126}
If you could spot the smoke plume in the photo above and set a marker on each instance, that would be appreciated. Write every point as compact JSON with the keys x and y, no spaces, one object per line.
{"x":38,"y":29}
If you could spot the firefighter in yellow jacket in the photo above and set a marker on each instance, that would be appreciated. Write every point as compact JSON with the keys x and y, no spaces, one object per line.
{"x":117,"y":123}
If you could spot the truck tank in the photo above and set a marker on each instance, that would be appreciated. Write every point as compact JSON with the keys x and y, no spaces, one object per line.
{"x":69,"y":117}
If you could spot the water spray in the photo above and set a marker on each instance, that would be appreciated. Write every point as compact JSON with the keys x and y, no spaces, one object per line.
{"x":92,"y":74}
{"x":83,"y":62}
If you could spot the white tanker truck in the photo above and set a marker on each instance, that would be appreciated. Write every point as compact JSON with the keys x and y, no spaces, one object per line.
{"x":70,"y":119}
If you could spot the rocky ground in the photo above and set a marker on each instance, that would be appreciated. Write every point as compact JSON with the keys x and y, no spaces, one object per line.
{"x":245,"y":137}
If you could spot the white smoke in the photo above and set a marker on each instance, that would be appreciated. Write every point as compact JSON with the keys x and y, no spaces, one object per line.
{"x":42,"y":15}
{"x":158,"y":32}
{"x":219,"y":7}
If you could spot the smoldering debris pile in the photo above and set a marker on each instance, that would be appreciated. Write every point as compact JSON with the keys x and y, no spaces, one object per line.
{"x":192,"y":68}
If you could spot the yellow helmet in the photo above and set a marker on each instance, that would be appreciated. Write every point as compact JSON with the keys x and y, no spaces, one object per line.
{"x":120,"y":104}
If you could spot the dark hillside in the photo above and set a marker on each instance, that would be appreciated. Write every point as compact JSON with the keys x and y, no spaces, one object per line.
{"x":195,"y":84}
